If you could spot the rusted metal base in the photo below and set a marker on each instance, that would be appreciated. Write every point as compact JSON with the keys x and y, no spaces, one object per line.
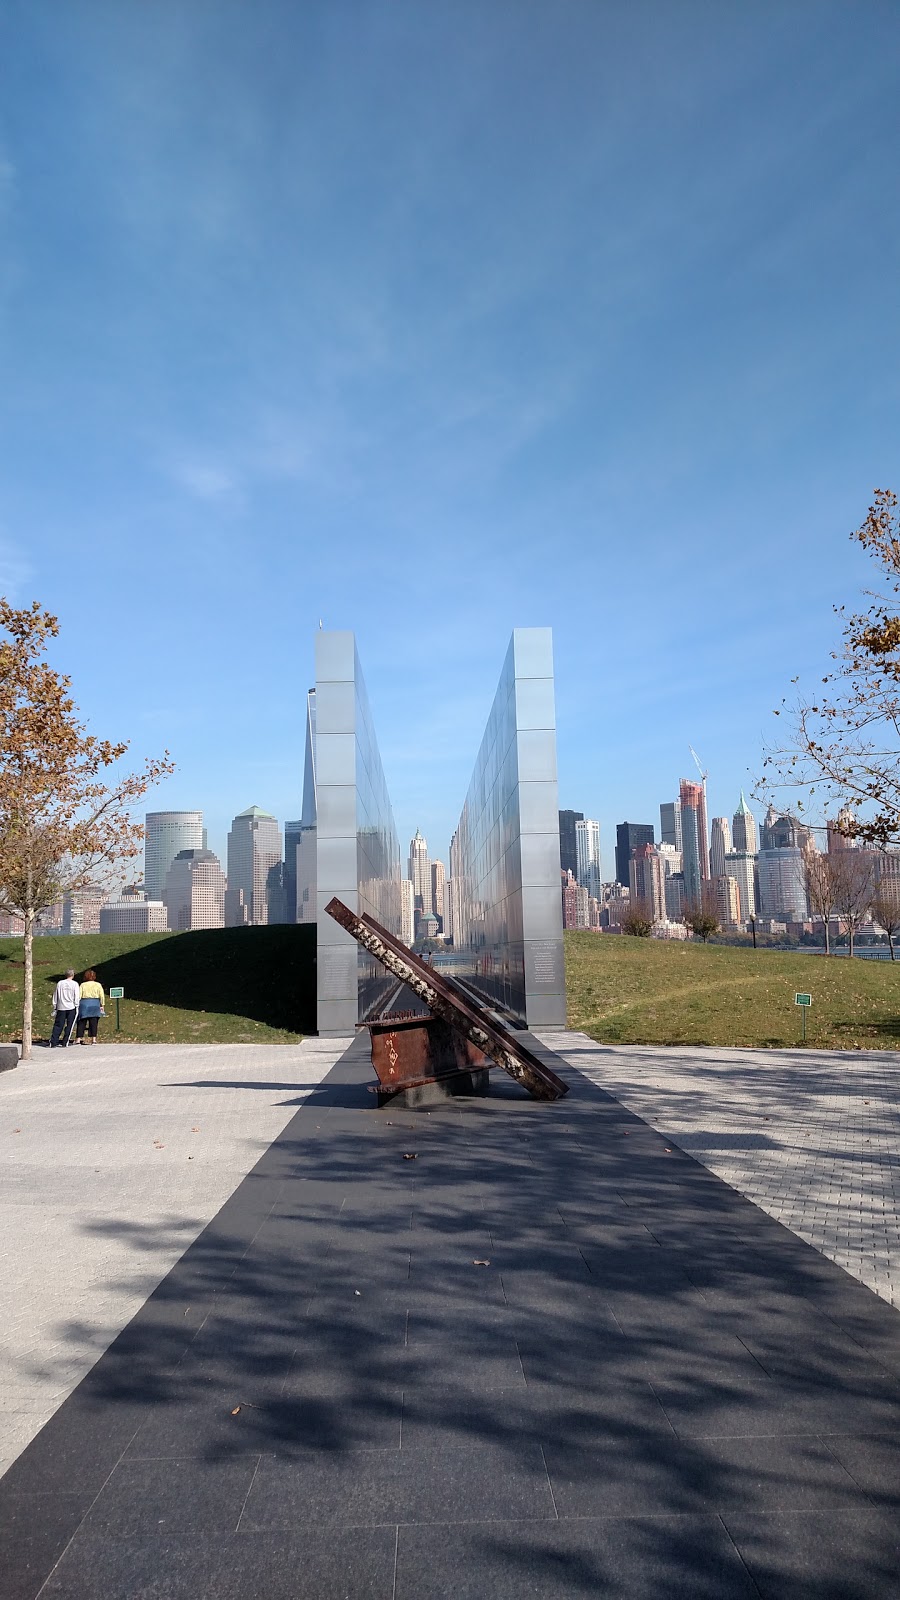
{"x":408,"y":1052}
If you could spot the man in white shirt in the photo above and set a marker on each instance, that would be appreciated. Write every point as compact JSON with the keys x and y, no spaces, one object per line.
{"x":66,"y":996}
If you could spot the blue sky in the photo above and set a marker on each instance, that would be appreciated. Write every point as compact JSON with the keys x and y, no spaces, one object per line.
{"x":431,"y":320}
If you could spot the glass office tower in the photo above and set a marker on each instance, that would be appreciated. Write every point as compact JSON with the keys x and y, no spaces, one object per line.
{"x":357,"y":849}
{"x":507,"y":846}
{"x":166,"y":834}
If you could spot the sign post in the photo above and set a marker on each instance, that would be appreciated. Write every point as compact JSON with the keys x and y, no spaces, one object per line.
{"x":117,"y":995}
{"x":804,"y":1001}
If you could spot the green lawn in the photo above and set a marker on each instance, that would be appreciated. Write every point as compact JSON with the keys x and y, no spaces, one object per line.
{"x":215,"y":986}
{"x":649,"y":991}
{"x":257,"y":985}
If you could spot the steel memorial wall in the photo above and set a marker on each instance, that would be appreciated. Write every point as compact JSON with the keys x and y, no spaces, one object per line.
{"x":506,"y":848}
{"x":357,"y":852}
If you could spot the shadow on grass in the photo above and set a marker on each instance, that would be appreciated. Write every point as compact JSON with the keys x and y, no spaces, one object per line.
{"x":887,"y":1028}
{"x":266,"y":974}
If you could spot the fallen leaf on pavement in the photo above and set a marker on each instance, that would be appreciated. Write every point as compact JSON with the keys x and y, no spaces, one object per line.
{"x":235,"y":1411}
{"x":411,"y":1156}
{"x":481,"y":1263}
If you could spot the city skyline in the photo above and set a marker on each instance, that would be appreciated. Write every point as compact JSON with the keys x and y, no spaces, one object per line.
{"x":751,"y":870}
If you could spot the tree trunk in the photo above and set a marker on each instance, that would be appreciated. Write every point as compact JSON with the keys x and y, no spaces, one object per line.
{"x":28,"y":1001}
{"x":891,"y":944}
{"x":828,"y":936}
{"x":850,"y":936}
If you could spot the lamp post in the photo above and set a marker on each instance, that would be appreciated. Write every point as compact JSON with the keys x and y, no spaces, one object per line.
{"x":752,"y":921}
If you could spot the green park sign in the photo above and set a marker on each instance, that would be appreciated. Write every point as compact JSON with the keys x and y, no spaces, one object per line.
{"x":804,"y":1001}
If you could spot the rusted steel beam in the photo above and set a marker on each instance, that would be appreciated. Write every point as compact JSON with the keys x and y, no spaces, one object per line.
{"x":448,"y":1002}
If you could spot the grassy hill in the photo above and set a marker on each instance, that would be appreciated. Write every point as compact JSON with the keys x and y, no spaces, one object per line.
{"x":215,"y":986}
{"x":649,"y":991}
{"x":257,"y":985}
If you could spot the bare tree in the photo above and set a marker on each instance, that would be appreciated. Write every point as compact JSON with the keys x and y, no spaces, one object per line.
{"x":821,"y":887}
{"x":61,"y":821}
{"x":843,"y":744}
{"x":885,"y":910}
{"x":855,"y":881}
{"x":702,"y":917}
{"x":638,"y":919}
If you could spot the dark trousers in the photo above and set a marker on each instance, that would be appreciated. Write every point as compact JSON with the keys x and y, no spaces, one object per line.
{"x":62,"y":1027}
{"x":91,"y":1023}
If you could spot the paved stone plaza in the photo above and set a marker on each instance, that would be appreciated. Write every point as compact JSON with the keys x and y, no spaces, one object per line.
{"x":813,"y":1137}
{"x":498,"y":1350}
{"x":114,"y":1159}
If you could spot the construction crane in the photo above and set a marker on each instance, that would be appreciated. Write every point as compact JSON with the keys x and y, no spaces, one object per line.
{"x":703,"y":775}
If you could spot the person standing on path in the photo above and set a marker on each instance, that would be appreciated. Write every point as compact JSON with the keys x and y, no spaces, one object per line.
{"x":90,"y":1006}
{"x":66,"y":996}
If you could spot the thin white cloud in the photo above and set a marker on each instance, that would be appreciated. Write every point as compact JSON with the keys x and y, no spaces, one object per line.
{"x":16,"y":571}
{"x":206,"y":479}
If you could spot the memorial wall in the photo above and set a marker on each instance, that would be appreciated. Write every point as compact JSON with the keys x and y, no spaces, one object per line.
{"x":357,"y":853}
{"x":505,"y":853}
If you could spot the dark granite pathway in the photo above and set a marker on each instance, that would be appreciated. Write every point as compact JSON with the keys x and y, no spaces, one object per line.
{"x":650,"y":1389}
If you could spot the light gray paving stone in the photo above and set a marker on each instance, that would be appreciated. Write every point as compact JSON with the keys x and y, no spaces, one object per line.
{"x":812,"y":1137}
{"x":114,"y":1160}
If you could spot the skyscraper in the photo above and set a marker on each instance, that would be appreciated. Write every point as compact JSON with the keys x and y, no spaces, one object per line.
{"x":438,"y":879}
{"x":420,"y":872}
{"x":726,"y":899}
{"x":292,"y":835}
{"x":744,"y":829}
{"x":840,"y":832}
{"x":568,"y":848}
{"x":647,"y":880}
{"x":166,"y":834}
{"x":719,"y":845}
{"x":693,"y":840}
{"x":254,"y":894}
{"x":782,"y":869}
{"x":587,"y":851}
{"x":741,"y":865}
{"x":670,"y":823}
{"x":407,"y":912}
{"x":629,"y":836}
{"x":131,"y":915}
{"x":194,"y":894}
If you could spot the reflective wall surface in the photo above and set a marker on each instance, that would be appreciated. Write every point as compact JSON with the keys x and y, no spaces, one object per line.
{"x":506,"y":849}
{"x":357,"y":850}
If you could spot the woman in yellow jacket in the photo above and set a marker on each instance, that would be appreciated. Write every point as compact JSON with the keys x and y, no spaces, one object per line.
{"x":90,"y":1007}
